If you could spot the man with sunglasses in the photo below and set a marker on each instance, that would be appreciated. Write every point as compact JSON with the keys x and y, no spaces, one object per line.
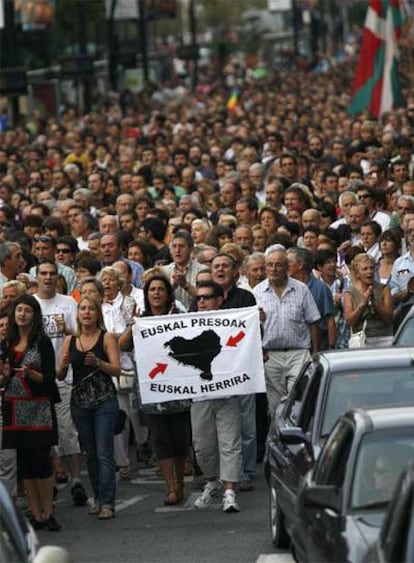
{"x":66,"y":249}
{"x":44,"y":248}
{"x":224,"y":271}
{"x":216,"y":427}
{"x":367,"y":195}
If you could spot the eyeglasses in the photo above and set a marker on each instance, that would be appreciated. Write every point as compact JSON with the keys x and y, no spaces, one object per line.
{"x":206,"y":297}
{"x":42,"y":238}
{"x":364,"y":196}
{"x":64,"y":250}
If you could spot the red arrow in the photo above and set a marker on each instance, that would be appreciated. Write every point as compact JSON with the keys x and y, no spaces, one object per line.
{"x":159,"y":368}
{"x":234,"y":340}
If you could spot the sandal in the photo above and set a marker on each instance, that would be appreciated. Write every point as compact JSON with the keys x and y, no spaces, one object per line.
{"x":179,"y":490}
{"x":171,"y":499}
{"x":125,"y":472}
{"x":106,"y":513}
{"x":61,"y":477}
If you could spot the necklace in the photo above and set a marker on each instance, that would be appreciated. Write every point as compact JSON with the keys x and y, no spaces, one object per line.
{"x":90,"y":337}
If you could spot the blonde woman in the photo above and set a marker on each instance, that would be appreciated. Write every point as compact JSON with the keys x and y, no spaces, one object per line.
{"x":94,"y":357}
{"x":368,"y":303}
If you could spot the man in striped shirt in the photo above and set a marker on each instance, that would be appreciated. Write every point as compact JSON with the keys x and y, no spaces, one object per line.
{"x":289,"y":317}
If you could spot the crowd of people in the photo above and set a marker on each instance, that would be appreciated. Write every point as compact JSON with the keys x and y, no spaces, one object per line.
{"x":173,"y":203}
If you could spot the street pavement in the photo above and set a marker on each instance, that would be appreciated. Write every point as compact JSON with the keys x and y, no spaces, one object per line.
{"x":145,"y":530}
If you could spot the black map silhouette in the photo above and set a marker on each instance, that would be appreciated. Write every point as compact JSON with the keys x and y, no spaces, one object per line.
{"x":196,"y":352}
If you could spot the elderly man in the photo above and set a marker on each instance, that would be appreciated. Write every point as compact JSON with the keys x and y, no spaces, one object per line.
{"x":182,"y":271}
{"x":346,"y":201}
{"x":290,"y":316}
{"x":300,"y":267}
{"x":11,"y":262}
{"x":111,"y":251}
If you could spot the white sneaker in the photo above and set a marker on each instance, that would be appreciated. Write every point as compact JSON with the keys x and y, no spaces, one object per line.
{"x":211,"y":490}
{"x":229,"y":501}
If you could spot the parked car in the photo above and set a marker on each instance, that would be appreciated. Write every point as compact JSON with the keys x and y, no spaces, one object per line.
{"x":405,"y":333}
{"x":328,"y":386}
{"x":343,"y":499}
{"x":396,"y":539}
{"x":18,"y":541}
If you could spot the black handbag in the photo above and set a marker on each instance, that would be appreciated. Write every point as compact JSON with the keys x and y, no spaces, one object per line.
{"x":120,"y":422}
{"x":92,"y":390}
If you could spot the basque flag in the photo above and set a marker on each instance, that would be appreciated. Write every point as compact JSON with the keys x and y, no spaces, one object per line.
{"x":376,"y":85}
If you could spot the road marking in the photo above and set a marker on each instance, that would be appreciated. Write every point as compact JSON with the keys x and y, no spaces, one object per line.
{"x":189,"y":505}
{"x":275,"y":558}
{"x":121,"y":505}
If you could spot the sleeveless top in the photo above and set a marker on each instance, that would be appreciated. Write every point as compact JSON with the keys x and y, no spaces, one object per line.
{"x":375,"y":325}
{"x":91,"y":386}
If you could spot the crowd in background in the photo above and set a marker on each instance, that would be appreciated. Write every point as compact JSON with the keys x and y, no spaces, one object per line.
{"x":132,"y":209}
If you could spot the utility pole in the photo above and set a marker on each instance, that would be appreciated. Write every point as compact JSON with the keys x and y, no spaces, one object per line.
{"x":295,"y":25}
{"x":83,"y":51}
{"x":193,"y":30}
{"x":143,"y":21}
{"x":11,"y":56}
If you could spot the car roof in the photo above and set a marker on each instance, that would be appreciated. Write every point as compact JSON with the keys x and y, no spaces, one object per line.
{"x":382,"y":418}
{"x":368,"y":358}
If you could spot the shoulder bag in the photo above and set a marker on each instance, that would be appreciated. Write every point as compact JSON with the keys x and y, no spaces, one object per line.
{"x":358,"y":339}
{"x":92,"y":390}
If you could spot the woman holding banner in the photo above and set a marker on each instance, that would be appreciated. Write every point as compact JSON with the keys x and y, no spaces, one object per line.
{"x":169,"y":422}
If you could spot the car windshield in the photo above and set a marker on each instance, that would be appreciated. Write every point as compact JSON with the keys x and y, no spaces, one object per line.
{"x":406,"y":336}
{"x":365,"y":389}
{"x":380,"y":460}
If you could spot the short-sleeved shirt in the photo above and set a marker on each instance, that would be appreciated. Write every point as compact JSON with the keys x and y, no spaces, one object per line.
{"x":192,"y":270}
{"x":56,"y":306}
{"x":323,"y":299}
{"x":402,"y":272}
{"x":288,"y":318}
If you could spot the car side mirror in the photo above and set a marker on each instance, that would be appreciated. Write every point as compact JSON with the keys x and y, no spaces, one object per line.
{"x":320,"y":496}
{"x":294,"y":436}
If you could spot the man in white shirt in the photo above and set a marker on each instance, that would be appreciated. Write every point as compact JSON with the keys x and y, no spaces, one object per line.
{"x":11,"y":262}
{"x":59,"y":319}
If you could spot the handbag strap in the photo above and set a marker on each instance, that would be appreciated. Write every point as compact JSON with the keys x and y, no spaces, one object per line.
{"x":85,"y":378}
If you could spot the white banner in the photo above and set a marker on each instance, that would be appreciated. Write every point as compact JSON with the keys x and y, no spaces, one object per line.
{"x":199,"y":355}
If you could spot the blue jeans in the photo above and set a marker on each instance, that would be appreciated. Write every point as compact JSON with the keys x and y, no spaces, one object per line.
{"x":248,"y":435}
{"x":96,"y":427}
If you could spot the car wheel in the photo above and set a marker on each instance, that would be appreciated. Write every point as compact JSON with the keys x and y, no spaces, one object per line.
{"x":280,"y":537}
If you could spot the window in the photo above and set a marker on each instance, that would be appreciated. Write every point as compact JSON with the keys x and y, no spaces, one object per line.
{"x":368,"y":388}
{"x":295,"y":398}
{"x":331,"y":465}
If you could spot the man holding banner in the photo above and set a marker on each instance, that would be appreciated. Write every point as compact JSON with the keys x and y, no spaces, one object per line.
{"x":216,"y":426}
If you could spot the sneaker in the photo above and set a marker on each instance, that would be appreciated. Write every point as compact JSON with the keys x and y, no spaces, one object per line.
{"x":211,"y":490}
{"x":229,"y":501}
{"x":93,"y":507}
{"x":79,"y":495}
{"x":52,"y":524}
